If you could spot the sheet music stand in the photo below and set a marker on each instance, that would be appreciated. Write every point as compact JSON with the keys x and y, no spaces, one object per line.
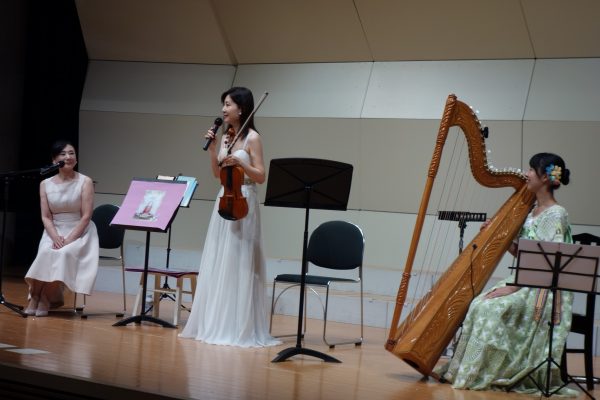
{"x":556,"y":266}
{"x":149,"y":205}
{"x":307,"y":183}
{"x":191,"y":183}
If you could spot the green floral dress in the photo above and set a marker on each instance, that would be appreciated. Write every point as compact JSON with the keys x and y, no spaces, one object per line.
{"x":502,"y":340}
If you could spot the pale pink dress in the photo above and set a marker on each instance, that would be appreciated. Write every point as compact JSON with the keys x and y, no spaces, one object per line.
{"x":76,"y":264}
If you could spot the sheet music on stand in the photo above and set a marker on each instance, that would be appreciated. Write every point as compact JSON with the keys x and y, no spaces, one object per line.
{"x":536,"y":264}
{"x":191,"y":185}
{"x":556,"y":266}
{"x":150,"y":205}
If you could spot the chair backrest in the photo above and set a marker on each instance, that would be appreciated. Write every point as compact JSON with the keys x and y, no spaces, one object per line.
{"x":587,"y":238}
{"x":336,"y":245}
{"x":109,"y":237}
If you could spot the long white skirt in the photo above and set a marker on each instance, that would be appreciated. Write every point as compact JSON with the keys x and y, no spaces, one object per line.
{"x":75,"y":265}
{"x":229,"y":303}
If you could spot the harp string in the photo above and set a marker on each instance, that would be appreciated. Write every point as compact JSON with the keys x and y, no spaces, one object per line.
{"x":441,"y":237}
{"x":419,"y":282}
{"x":428,"y":262}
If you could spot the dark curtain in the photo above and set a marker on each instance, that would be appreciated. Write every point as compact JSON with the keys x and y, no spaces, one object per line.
{"x":55,"y":68}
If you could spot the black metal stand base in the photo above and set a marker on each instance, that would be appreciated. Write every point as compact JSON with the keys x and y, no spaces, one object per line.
{"x":545,"y":391}
{"x":140,"y":318}
{"x":83,"y":315}
{"x":293,"y":351}
{"x":143,"y":317}
{"x":576,"y":381}
{"x":16,"y":308}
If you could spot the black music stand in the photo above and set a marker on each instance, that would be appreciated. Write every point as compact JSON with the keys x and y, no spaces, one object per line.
{"x":556,"y":266}
{"x":307,"y":183}
{"x":462,"y":217}
{"x":191,"y":183}
{"x":150,"y":205}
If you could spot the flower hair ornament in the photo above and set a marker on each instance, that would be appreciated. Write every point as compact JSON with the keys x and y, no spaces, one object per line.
{"x":554,"y":173}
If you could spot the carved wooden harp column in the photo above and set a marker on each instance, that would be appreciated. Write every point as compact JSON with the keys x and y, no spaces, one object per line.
{"x":424,"y":334}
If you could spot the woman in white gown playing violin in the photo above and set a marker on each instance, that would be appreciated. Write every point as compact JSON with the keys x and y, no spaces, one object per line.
{"x":229,"y":305}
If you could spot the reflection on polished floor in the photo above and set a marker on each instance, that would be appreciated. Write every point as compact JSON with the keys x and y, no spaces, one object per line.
{"x":89,"y":358}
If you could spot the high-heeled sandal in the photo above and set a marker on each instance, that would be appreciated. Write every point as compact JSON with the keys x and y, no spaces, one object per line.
{"x":42,"y":308}
{"x":32,"y":306}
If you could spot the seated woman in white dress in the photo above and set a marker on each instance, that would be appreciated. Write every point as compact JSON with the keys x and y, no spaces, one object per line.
{"x":68,"y":251}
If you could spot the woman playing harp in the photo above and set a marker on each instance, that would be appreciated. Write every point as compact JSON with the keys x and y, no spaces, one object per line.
{"x":425,"y":332}
{"x":505,"y":334}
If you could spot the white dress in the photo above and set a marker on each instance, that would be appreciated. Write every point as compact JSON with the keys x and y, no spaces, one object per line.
{"x":229,"y":305}
{"x":75,"y":264}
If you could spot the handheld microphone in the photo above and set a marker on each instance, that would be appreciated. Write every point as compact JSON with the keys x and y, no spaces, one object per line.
{"x":214,"y":129}
{"x":51,"y":168}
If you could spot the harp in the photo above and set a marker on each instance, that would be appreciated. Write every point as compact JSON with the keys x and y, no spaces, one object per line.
{"x":422,"y":336}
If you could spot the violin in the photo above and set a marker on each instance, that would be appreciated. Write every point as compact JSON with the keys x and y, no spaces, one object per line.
{"x":233,"y":205}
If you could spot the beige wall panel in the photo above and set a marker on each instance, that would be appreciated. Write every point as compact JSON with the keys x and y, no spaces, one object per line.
{"x":189,"y":227}
{"x":308,"y":90}
{"x":395,"y":158}
{"x":387,"y":239}
{"x":498,"y":89}
{"x":184,"y":31}
{"x":273,"y":31}
{"x":283,"y":231}
{"x":442,"y":30}
{"x":578,"y":144}
{"x":504,"y":144}
{"x":565,"y":90}
{"x":563,"y":28}
{"x":156,"y":88}
{"x":387,"y":235}
{"x":324,"y":138}
{"x":116,"y":147}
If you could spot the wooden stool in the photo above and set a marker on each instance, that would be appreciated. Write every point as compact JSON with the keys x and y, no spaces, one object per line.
{"x":178,"y":291}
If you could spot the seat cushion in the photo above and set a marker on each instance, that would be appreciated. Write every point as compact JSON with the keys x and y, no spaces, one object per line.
{"x":174,"y":273}
{"x":310,"y":279}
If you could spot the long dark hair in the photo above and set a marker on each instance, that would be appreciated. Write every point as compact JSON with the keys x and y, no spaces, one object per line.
{"x":245,"y":101}
{"x":541,"y":161}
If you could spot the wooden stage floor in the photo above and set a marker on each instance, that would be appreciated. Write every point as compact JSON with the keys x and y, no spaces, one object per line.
{"x":65,"y":357}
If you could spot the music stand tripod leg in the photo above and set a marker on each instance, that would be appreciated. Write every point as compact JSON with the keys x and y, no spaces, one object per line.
{"x":166,"y":284}
{"x":143,"y":317}
{"x":293,"y":351}
{"x":16,"y":308}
